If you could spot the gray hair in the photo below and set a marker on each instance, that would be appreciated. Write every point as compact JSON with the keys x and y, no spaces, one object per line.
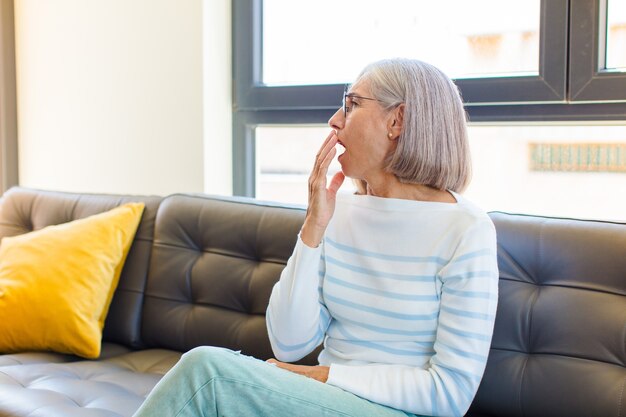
{"x":433,"y":147}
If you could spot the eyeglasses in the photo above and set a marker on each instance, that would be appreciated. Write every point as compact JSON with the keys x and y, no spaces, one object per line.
{"x":346,"y":103}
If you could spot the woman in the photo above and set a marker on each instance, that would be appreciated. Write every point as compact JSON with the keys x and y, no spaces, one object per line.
{"x":399,"y":281}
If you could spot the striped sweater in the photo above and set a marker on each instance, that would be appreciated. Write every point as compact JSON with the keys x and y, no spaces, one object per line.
{"x":402,"y":293}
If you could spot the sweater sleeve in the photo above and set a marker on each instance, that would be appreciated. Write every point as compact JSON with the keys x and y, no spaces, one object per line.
{"x":448,"y":384}
{"x":296,"y":318}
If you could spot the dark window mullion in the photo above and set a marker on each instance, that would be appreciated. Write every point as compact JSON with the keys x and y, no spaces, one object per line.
{"x":549,"y":85}
{"x":588,"y":79}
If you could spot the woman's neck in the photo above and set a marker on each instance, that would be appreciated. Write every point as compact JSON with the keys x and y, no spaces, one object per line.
{"x":391,"y":187}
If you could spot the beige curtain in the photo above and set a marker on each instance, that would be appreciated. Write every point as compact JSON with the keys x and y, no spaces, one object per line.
{"x":8,"y":102}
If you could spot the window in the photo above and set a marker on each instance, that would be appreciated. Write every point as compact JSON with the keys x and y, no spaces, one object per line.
{"x":592,"y":55}
{"x":550,"y":169}
{"x":282,"y":174}
{"x":535,"y":83}
{"x":545,"y":169}
{"x":616,"y":36}
{"x":363,"y":31}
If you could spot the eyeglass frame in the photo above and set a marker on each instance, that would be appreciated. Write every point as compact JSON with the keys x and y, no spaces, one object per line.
{"x":346,"y":94}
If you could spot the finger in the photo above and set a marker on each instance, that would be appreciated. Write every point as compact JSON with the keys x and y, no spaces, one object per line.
{"x":323,"y":167}
{"x":317,"y":180}
{"x":288,"y":367}
{"x":328,"y":146}
{"x":328,"y":138}
{"x":336,"y":182}
{"x":329,"y":143}
{"x":320,"y":171}
{"x":276,"y":363}
{"x":318,"y":175}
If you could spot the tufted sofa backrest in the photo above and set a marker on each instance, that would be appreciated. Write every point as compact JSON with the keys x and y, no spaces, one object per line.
{"x":559,"y":346}
{"x":213,"y":266}
{"x":24,"y":210}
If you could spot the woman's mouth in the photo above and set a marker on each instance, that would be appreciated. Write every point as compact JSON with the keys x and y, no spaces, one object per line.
{"x":341,"y":149}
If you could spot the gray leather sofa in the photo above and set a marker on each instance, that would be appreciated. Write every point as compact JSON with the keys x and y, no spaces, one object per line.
{"x":201,"y":269}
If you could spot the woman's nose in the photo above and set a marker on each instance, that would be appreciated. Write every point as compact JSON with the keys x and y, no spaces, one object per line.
{"x":337,"y":120}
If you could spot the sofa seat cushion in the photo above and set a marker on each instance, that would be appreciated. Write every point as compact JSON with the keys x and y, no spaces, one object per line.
{"x":112,"y":387}
{"x":28,"y":358}
{"x":108,"y":350}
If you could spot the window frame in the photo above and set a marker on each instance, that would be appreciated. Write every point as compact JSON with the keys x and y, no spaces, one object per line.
{"x":570,"y":85}
{"x":590,"y":81}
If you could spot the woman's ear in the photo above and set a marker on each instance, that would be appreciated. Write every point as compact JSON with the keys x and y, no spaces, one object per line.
{"x":395,"y":123}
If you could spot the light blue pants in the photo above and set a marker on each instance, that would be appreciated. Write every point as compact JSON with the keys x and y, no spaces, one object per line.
{"x":210,"y":381}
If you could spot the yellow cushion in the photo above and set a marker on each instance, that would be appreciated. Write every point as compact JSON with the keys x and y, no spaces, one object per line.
{"x":56,"y":283}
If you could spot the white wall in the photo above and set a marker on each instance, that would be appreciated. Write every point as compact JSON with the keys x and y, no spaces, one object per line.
{"x":110,"y":95}
{"x":218,"y":177}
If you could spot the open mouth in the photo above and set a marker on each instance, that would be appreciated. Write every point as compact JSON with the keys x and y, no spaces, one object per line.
{"x":341,"y":150}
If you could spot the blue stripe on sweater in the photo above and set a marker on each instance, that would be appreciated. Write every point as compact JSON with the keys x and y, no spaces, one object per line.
{"x":433,"y":399}
{"x":386,"y":294}
{"x":468,"y":314}
{"x":438,"y":384}
{"x":473,"y":274}
{"x":465,"y":354}
{"x":387,"y":349}
{"x":469,"y":335}
{"x":385,"y":330}
{"x":452,"y":370}
{"x":452,"y":402}
{"x":378,"y":311}
{"x":471,"y":255}
{"x":396,"y":258}
{"x":377,"y":346}
{"x":468,"y":294}
{"x":299,"y":346}
{"x":462,"y":383}
{"x":325,"y":316}
{"x":380,"y":274}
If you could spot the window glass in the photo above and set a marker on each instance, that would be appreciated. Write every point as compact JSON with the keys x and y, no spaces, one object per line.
{"x":554,"y":170}
{"x":328,"y":41}
{"x":616,"y":35}
{"x":284,"y":158}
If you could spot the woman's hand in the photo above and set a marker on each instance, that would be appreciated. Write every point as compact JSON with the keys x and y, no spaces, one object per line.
{"x":319,"y":373}
{"x":321,"y":198}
